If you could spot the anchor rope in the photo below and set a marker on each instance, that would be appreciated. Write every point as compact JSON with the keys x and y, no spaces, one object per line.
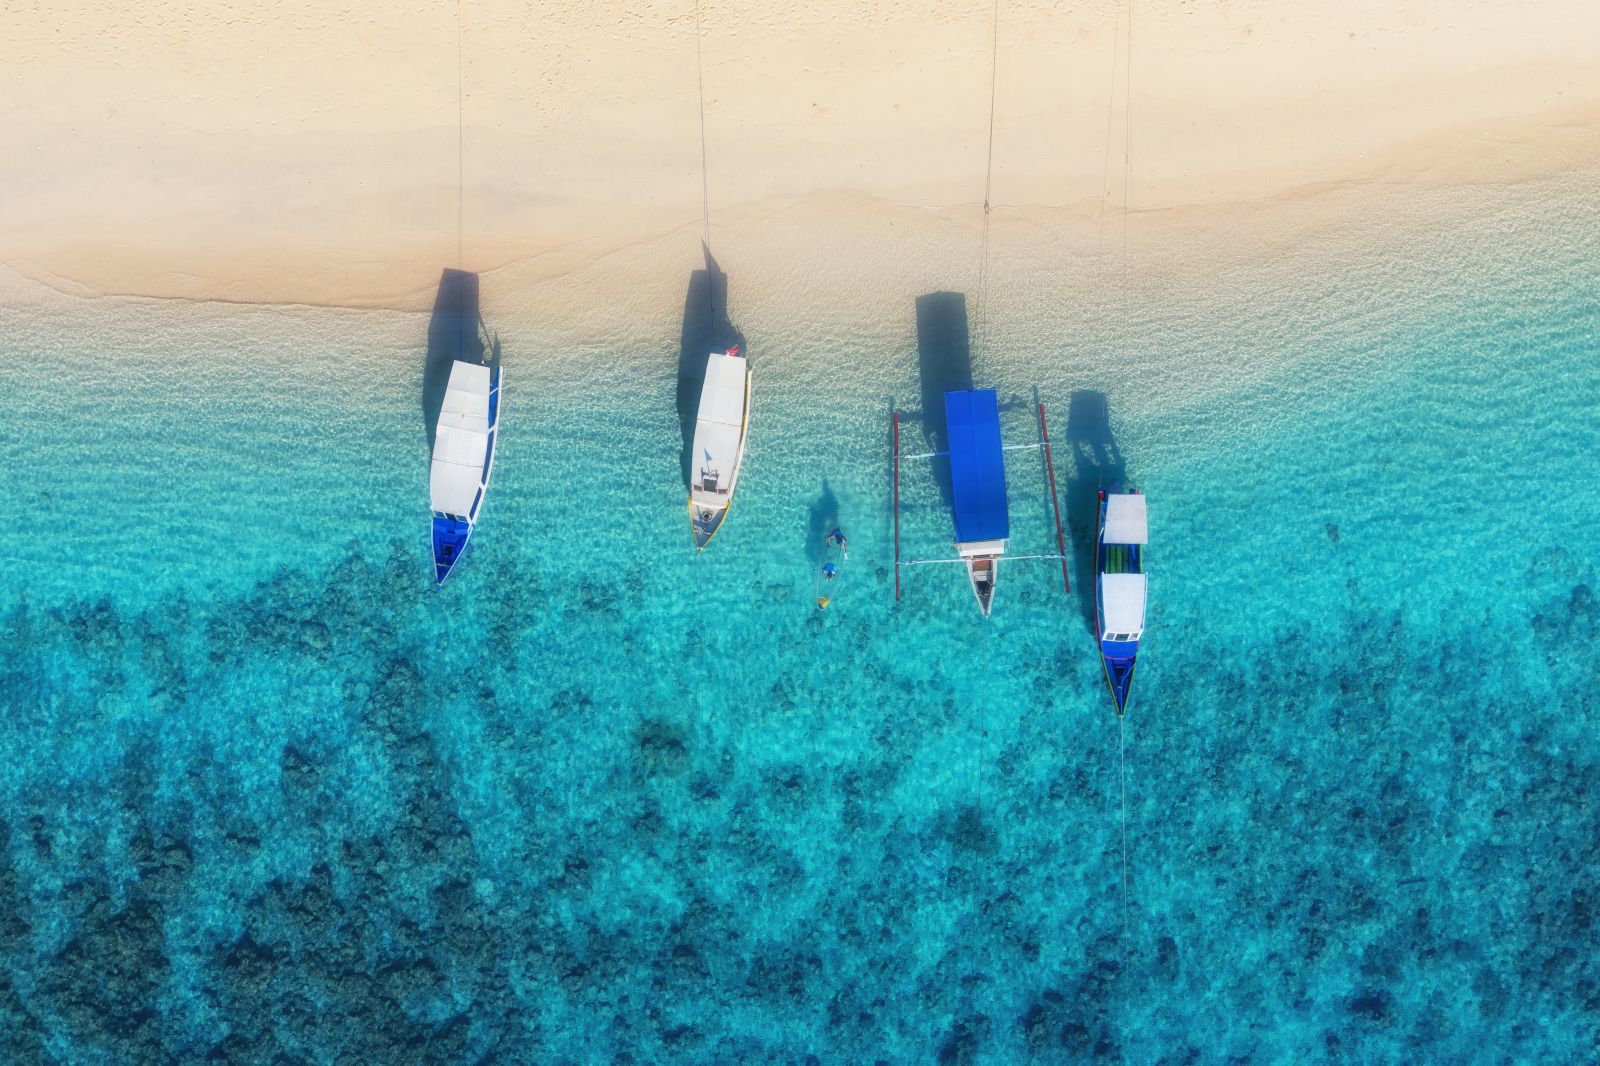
{"x":988,"y":178}
{"x":1122,"y":775}
{"x":1126,"y":339}
{"x":705,"y":178}
{"x":1127,"y":166}
{"x":983,"y":320}
{"x":461,"y":144}
{"x":1111,"y":111}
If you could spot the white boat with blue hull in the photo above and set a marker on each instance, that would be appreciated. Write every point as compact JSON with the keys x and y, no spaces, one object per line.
{"x":463,"y":459}
{"x":1120,"y":587}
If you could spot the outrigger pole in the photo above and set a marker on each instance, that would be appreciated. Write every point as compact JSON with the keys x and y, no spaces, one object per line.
{"x":1055,"y":502}
{"x":895,"y":416}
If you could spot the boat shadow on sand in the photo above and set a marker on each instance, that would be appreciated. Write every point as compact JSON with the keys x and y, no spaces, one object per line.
{"x":1096,"y":461}
{"x":706,"y":328}
{"x":944,"y":363}
{"x":455,"y":331}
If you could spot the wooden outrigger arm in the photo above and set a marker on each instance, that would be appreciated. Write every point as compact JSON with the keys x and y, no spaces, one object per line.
{"x":1055,"y":501}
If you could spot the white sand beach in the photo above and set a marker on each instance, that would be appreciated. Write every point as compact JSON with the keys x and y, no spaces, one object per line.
{"x":305,"y":153}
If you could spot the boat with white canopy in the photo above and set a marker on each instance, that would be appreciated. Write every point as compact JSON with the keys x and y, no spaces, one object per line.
{"x":720,"y":430}
{"x":463,"y":458}
{"x":1120,"y":587}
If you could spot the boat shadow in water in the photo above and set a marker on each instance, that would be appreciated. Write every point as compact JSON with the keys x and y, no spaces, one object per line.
{"x":1096,"y":461}
{"x":706,"y":328}
{"x":454,"y":332}
{"x":822,"y":519}
{"x":944,"y":362}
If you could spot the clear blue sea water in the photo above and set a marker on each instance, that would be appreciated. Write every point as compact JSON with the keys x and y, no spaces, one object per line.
{"x":266,"y":795}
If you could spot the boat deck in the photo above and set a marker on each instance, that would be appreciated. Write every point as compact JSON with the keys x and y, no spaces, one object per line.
{"x":1121,"y":559}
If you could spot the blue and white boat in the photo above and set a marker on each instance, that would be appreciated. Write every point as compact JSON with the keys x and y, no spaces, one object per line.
{"x":978,"y":487}
{"x":463,"y":458}
{"x":1120,"y":586}
{"x":721,"y":426}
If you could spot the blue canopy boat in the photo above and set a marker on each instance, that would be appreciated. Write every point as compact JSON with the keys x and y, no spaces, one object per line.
{"x":978,"y":486}
{"x":1120,"y":587}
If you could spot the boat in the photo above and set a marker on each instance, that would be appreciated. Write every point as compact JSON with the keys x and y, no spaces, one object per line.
{"x":978,"y":487}
{"x":719,"y":437}
{"x":1120,"y":587}
{"x":463,"y":458}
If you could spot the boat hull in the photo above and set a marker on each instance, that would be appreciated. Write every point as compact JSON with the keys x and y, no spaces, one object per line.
{"x":704,"y":522}
{"x":450,"y":536}
{"x":709,"y":501}
{"x":1119,"y":663}
{"x":982,"y":572}
{"x":451,"y":532}
{"x":1117,"y":657}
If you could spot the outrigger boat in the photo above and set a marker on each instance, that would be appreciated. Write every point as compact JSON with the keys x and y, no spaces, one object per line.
{"x":719,"y":437}
{"x":1120,"y":586}
{"x":978,"y":485}
{"x":978,"y":492}
{"x":463,"y":458}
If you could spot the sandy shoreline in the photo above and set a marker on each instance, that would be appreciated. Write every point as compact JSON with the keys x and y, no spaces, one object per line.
{"x":312,"y":156}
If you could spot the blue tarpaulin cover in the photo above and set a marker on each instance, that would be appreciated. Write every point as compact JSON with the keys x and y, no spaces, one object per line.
{"x":977,"y":465}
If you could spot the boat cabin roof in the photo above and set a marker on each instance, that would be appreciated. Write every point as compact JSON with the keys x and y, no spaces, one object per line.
{"x":461,"y":440}
{"x":977,"y":465}
{"x":719,"y":425}
{"x":1125,"y":519}
{"x":1122,"y":603}
{"x":722,"y":396}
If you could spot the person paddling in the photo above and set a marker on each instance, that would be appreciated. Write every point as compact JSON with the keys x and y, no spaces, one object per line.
{"x":837,"y":537}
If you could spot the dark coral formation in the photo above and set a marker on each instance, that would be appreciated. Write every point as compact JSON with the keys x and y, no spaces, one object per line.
{"x":309,"y":841}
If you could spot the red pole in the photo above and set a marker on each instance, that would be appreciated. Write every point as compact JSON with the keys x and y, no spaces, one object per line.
{"x":896,"y":416}
{"x":1055,"y":501}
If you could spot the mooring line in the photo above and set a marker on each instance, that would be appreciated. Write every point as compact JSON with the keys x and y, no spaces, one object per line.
{"x":705,"y":177}
{"x":988,"y":177}
{"x":1122,"y":774}
{"x":1127,"y":165}
{"x":1111,"y":110}
{"x":461,"y":146}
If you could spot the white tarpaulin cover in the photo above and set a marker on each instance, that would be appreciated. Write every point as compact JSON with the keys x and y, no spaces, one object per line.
{"x":1122,"y":602}
{"x":1125,"y":519}
{"x":461,"y":441}
{"x":719,"y":426}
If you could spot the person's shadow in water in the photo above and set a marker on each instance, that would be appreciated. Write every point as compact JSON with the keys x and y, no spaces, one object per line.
{"x":706,"y":329}
{"x":822,"y":519}
{"x":1096,"y":462}
{"x":944,"y":363}
{"x":454,"y":332}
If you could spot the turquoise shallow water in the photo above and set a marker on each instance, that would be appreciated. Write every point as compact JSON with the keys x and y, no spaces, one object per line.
{"x":266,"y":793}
